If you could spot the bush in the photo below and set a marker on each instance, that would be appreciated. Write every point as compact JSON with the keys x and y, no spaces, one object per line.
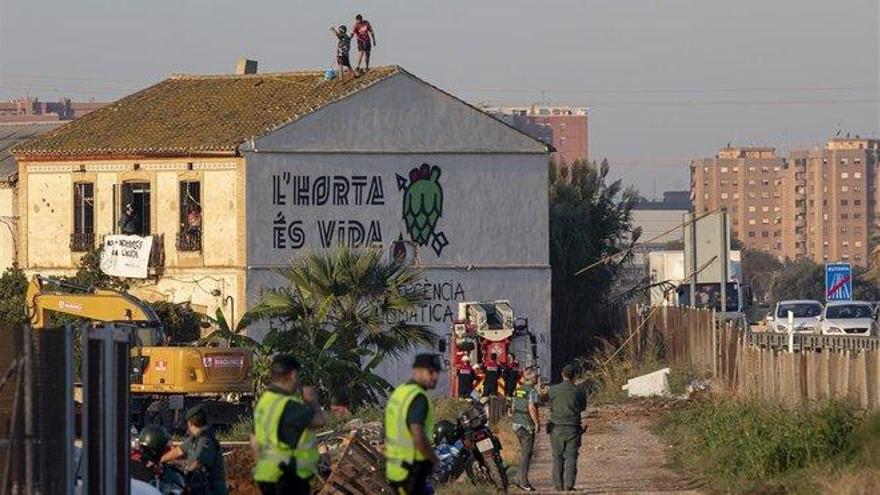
{"x":13,"y":285}
{"x":736,"y":443}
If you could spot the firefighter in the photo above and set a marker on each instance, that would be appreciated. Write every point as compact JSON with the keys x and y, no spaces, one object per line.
{"x":465,"y":375}
{"x":511,"y":375}
{"x":409,"y":420}
{"x":490,"y":376}
{"x":204,"y":458}
{"x":284,"y":441}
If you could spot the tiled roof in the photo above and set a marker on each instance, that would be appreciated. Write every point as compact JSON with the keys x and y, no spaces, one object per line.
{"x":12,"y":134}
{"x":196,"y":115}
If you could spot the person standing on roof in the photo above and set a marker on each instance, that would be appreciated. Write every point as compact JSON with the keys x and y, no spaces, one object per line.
{"x":343,"y":47}
{"x":366,"y":40}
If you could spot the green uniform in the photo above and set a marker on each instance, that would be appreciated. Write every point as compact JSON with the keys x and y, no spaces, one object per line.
{"x":524,"y":427}
{"x":567,"y":402}
{"x":405,"y":467}
{"x":280,"y":422}
{"x":206,"y":449}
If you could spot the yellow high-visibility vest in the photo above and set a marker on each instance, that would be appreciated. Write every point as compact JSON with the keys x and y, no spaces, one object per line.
{"x":273,"y":452}
{"x":399,"y":445}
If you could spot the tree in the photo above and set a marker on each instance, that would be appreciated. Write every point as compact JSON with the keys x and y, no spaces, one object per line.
{"x":804,"y":279}
{"x":343,"y":312}
{"x":760,"y":268}
{"x":13,"y":285}
{"x":181,"y":322}
{"x":590,"y":218}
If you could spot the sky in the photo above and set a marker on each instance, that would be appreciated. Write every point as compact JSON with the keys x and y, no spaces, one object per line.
{"x":666,"y":81}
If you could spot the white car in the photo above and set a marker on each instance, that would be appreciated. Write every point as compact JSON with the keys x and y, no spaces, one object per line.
{"x":848,"y":318}
{"x":805,"y":312}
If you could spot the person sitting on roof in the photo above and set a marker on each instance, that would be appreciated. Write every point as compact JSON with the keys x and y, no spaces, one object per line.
{"x":343,"y":47}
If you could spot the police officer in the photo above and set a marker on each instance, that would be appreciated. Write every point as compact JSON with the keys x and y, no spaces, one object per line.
{"x":567,"y":402}
{"x":204,"y":458}
{"x":284,"y":441}
{"x":409,"y":420}
{"x":511,"y":375}
{"x":525,"y":424}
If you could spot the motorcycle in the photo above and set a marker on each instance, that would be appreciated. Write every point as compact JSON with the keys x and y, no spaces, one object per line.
{"x":144,"y":466}
{"x":469,"y":446}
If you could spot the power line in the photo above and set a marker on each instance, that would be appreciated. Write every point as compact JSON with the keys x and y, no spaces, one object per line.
{"x":671,"y":91}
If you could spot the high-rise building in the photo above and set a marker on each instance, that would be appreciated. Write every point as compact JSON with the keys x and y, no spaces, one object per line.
{"x":747,"y":183}
{"x":566,"y":128}
{"x":820,"y":204}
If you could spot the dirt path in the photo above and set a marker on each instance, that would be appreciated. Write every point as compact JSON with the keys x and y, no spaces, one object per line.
{"x":619,"y":455}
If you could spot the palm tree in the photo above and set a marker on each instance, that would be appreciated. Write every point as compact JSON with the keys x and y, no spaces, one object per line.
{"x":344,"y":311}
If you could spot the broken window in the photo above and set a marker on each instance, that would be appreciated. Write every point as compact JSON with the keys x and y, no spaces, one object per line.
{"x":83,"y":236}
{"x":189,"y":238}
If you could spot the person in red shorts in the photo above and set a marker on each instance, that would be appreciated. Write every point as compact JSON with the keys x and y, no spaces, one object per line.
{"x":366,"y":40}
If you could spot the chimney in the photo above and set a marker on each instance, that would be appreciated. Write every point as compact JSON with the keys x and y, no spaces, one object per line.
{"x":245,"y":66}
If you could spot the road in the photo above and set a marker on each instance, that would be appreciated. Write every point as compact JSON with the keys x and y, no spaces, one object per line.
{"x":619,"y":455}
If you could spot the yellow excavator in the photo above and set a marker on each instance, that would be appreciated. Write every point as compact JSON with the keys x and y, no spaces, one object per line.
{"x":164,"y":378}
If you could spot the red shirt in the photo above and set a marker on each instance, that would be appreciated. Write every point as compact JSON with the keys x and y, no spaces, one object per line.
{"x":362,"y":30}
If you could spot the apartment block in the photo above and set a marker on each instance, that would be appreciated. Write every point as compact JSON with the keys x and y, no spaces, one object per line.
{"x":820,"y":204}
{"x":747,"y":182}
{"x":566,"y":128}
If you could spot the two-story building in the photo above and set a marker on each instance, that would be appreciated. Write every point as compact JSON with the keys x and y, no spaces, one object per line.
{"x":235,"y":175}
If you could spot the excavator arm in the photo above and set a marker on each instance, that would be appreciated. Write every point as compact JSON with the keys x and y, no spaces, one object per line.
{"x":45,"y":295}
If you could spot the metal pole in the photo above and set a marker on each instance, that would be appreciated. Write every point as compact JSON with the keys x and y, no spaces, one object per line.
{"x":109,"y":372}
{"x":28,"y":412}
{"x":790,"y":332}
{"x":692,"y":226}
{"x":86,"y":412}
{"x":69,"y":417}
{"x":725,"y":252}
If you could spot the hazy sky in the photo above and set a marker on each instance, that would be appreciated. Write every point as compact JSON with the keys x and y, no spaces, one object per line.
{"x":666,"y":80}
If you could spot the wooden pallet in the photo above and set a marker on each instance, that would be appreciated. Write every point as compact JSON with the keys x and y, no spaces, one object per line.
{"x":360,"y":470}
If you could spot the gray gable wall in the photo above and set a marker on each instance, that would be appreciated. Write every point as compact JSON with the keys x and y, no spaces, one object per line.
{"x":398,"y":114}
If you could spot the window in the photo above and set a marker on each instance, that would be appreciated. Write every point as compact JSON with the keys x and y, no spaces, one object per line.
{"x":765,"y":209}
{"x":134,"y":219}
{"x":735,"y":195}
{"x":858,"y":244}
{"x":736,"y":169}
{"x":844,"y":202}
{"x":724,"y":195}
{"x":723,"y":170}
{"x":752,"y":209}
{"x":189,"y":238}
{"x":765,"y":221}
{"x":844,"y":216}
{"x":752,"y":169}
{"x":857,"y":175}
{"x":83,"y":236}
{"x":843,"y":161}
{"x":857,"y":160}
{"x":765,"y":234}
{"x":844,"y":188}
{"x":844,"y":175}
{"x":857,"y":202}
{"x":751,"y":182}
{"x":751,"y":234}
{"x":751,"y":221}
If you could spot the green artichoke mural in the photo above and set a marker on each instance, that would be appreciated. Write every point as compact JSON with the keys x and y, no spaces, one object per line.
{"x":423,"y":206}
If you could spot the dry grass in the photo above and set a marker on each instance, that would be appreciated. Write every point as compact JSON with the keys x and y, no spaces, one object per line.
{"x":863,"y":482}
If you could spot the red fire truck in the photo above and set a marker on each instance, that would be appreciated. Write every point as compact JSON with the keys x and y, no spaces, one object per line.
{"x":486,"y":328}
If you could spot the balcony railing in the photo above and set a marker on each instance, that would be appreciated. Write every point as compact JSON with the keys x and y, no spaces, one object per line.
{"x":81,"y":242}
{"x":189,"y":240}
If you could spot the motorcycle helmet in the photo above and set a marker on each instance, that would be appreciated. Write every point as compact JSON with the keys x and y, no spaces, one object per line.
{"x":444,"y":431}
{"x":153,"y":440}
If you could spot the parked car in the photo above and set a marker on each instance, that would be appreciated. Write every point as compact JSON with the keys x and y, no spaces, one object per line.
{"x":805,"y":312}
{"x":848,"y":318}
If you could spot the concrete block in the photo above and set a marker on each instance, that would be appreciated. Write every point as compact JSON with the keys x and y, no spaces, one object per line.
{"x":650,"y":385}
